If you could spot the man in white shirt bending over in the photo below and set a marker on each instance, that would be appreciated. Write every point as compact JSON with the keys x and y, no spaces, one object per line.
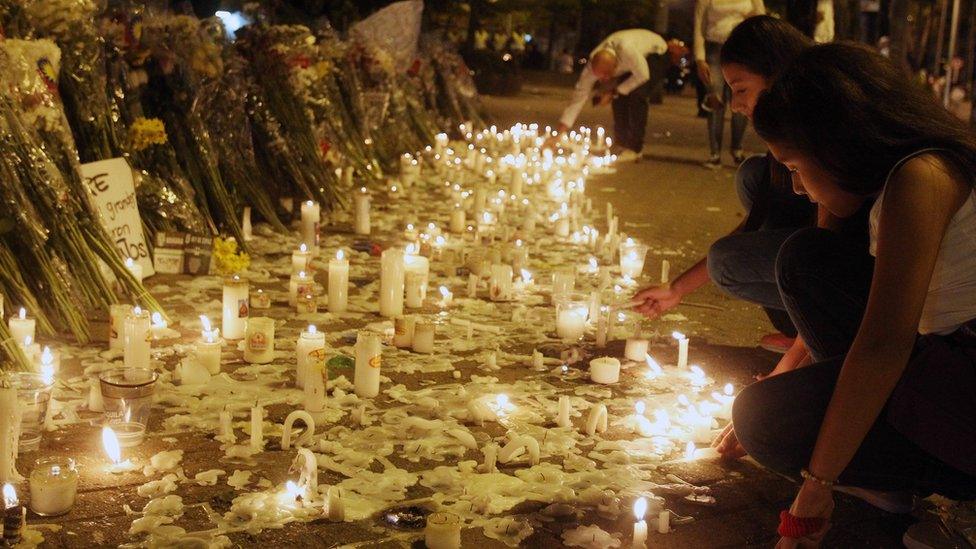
{"x":619,"y":74}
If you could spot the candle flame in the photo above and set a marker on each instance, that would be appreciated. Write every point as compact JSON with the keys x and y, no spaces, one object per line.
{"x":440,"y":241}
{"x":157,"y":320}
{"x":206,"y":323}
{"x":526,"y":276}
{"x":502,"y":401}
{"x":312,"y":329}
{"x":129,"y":263}
{"x":301,"y":274}
{"x":411,"y":249}
{"x":362,"y":190}
{"x":111,"y":444}
{"x":309,"y":203}
{"x":652,"y":364}
{"x":28,"y":340}
{"x":340,"y":255}
{"x":47,"y":357}
{"x":593,"y":264}
{"x":444,"y":291}
{"x":9,"y":496}
{"x":678,"y":335}
{"x":137,"y":310}
{"x":729,"y":389}
{"x":640,"y":507}
{"x":690,"y":451}
{"x":410,"y":226}
{"x":22,"y":314}
{"x":303,"y":248}
{"x":697,"y":372}
{"x":640,"y":407}
{"x":294,"y":490}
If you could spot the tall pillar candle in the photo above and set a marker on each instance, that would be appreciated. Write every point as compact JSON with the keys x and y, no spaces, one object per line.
{"x":259,"y":340}
{"x":315,"y":383}
{"x":116,"y":326}
{"x":138,"y":339}
{"x":207,"y":348}
{"x":301,"y":259}
{"x":416,"y":276}
{"x":236,"y":307}
{"x":21,"y":327}
{"x":10,"y":417}
{"x":309,"y":350}
{"x":361,"y":205}
{"x":369,"y":359}
{"x":311,"y":216}
{"x":391,"y":283}
{"x":338,"y":283}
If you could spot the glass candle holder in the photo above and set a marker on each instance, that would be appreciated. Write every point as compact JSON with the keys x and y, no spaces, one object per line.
{"x":53,"y":486}
{"x":571,"y":315}
{"x":632,"y":257}
{"x":34,"y":395}
{"x":128,"y":395}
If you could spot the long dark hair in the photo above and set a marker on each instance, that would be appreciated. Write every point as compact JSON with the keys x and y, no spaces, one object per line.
{"x":764,"y":45}
{"x":857,"y":115}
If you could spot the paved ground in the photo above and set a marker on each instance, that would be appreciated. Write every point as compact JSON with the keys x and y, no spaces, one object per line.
{"x":680,"y":207}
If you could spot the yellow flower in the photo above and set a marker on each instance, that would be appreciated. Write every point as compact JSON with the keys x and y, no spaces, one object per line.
{"x":146,"y":132}
{"x":226,"y":259}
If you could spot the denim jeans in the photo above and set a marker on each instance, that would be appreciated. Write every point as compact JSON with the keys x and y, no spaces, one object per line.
{"x":743,"y":264}
{"x":716,"y":118}
{"x":630,"y":111}
{"x":824,"y":279}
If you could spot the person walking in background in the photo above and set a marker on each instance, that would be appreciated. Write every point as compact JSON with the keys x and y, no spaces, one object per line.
{"x":714,"y":21}
{"x":619,"y":74}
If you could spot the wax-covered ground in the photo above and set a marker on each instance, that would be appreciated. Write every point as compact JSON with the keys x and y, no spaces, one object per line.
{"x":667,"y":201}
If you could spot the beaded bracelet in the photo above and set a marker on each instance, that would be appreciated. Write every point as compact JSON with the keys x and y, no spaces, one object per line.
{"x":807,"y":475}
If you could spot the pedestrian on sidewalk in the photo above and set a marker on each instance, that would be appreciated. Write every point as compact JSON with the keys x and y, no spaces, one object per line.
{"x":619,"y":73}
{"x":887,"y":411}
{"x":742,"y":264}
{"x":714,"y":21}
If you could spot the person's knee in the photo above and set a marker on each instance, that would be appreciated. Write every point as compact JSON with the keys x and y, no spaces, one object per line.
{"x":756,"y":417}
{"x":749,"y":179}
{"x":801,"y":253}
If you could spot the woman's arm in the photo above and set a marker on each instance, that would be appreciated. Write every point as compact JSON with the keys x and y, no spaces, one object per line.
{"x":920,"y":201}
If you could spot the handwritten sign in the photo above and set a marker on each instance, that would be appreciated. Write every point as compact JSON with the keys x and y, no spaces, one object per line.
{"x":113,"y":191}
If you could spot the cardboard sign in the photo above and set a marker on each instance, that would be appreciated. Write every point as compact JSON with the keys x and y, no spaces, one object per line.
{"x":113,"y":191}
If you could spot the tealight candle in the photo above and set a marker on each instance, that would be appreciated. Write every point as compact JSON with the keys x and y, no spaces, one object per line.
{"x":423,"y":337}
{"x":309,"y":350}
{"x":300,"y":284}
{"x":361,"y":208}
{"x":391,"y":283}
{"x":640,"y":527}
{"x":116,"y":328}
{"x":138,"y":339}
{"x":308,"y":303}
{"x":682,"y":349}
{"x":636,"y":349}
{"x":443,"y":531}
{"x":21,"y":327}
{"x":403,"y":331}
{"x":369,"y":359}
{"x":236,"y":307}
{"x":571,"y":319}
{"x":311,"y":216}
{"x":53,"y":486}
{"x":259,"y":340}
{"x":605,"y":370}
{"x":261,"y":300}
{"x":338,"y":283}
{"x":301,"y":259}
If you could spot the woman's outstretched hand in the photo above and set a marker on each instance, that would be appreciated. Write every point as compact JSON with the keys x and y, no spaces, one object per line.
{"x":655,"y":300}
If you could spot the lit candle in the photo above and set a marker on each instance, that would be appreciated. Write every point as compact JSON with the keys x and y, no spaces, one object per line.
{"x":458,"y":219}
{"x":134,"y":268}
{"x":605,"y":370}
{"x":207,"y":348}
{"x":227,"y":427}
{"x":416,"y":275}
{"x":14,"y":517}
{"x":316,"y":380}
{"x":391,"y":283}
{"x":563,"y":419}
{"x":338,"y":283}
{"x":362,"y":199}
{"x":443,"y":531}
{"x":640,"y":527}
{"x":682,"y":349}
{"x":116,"y":329}
{"x":259,"y":340}
{"x":307,"y":304}
{"x":309,"y":350}
{"x":500,"y":283}
{"x":636,"y":349}
{"x":49,"y":364}
{"x":257,"y":428}
{"x":53,"y":486}
{"x":301,"y":259}
{"x":21,"y":327}
{"x":260,"y":300}
{"x":447,"y":297}
{"x":10,"y":417}
{"x":423,"y":337}
{"x":236,"y":307}
{"x":403,"y":331}
{"x":440,"y":143}
{"x":632,"y":257}
{"x":300,"y":284}
{"x":665,"y":272}
{"x":596,"y":420}
{"x":369,"y":359}
{"x":110,"y":442}
{"x":571,"y":319}
{"x":159,"y":328}
{"x":311,"y":216}
{"x":138,"y":339}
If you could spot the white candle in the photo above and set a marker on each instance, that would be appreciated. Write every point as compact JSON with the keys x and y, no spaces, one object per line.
{"x":53,"y":486}
{"x":516,"y":446}
{"x":403,"y":331}
{"x":682,"y":349}
{"x":307,"y":303}
{"x":48,"y":364}
{"x":21,"y":327}
{"x":416,"y":277}
{"x":116,"y":328}
{"x":632,"y":257}
{"x":311,"y":216}
{"x":392,"y":272}
{"x":259,"y":340}
{"x":563,"y":282}
{"x":443,"y":531}
{"x":227,"y":427}
{"x":601,"y":331}
{"x":309,"y":350}
{"x":665,"y":272}
{"x":605,"y":370}
{"x":260,"y":300}
{"x":563,"y":419}
{"x":561,"y":228}
{"x":301,"y":259}
{"x":472,"y":285}
{"x":246,"y":228}
{"x":571,"y":319}
{"x":440,"y":143}
{"x":538,"y":360}
{"x":640,"y":527}
{"x":447,"y":296}
{"x":369,"y":359}
{"x":315,"y":383}
{"x":138,"y":339}
{"x":458,"y":220}
{"x":10,"y":416}
{"x":596,"y":420}
{"x":500,"y":283}
{"x":423,"y":337}
{"x":362,"y":200}
{"x":636,"y":349}
{"x":491,"y":457}
{"x":236,"y":307}
{"x":336,"y":509}
{"x":257,"y":428}
{"x":338,"y":283}
{"x":300,"y":284}
{"x":664,"y":522}
{"x":134,"y":268}
{"x":207,"y":348}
